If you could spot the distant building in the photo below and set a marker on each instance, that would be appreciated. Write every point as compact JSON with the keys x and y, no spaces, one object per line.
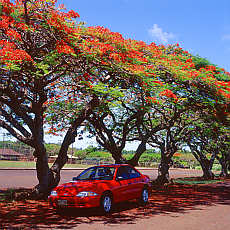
{"x":10,"y":154}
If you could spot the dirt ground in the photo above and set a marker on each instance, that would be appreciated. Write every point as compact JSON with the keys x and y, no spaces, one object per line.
{"x":181,"y":207}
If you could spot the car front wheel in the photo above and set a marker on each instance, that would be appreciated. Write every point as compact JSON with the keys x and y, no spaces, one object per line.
{"x":144,"y":196}
{"x":106,"y":203}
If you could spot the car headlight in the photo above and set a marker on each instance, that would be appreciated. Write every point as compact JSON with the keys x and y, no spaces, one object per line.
{"x":53,"y":193}
{"x":85,"y":194}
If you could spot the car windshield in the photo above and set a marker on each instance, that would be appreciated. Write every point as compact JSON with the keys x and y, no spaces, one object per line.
{"x":97,"y":173}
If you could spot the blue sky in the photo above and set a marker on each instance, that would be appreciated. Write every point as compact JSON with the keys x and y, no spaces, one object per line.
{"x":199,"y":26}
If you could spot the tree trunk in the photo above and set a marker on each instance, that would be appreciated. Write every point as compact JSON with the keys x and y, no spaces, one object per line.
{"x":141,"y":149}
{"x":42,"y":167}
{"x":224,"y":167}
{"x":163,"y":173}
{"x":55,"y":170}
{"x":207,"y":171}
{"x":118,"y":158}
{"x":61,"y":159}
{"x":50,"y":178}
{"x":166,"y":162}
{"x":205,"y":164}
{"x":163,"y":169}
{"x":224,"y":170}
{"x":43,"y":172}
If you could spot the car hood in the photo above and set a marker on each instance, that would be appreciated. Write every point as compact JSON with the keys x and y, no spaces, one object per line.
{"x":74,"y":187}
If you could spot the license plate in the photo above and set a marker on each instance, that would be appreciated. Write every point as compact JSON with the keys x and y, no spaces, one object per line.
{"x":62,"y":202}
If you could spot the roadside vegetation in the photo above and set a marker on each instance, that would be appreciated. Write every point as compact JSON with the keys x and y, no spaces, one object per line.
{"x":196,"y":181}
{"x":32,"y":165}
{"x":93,"y":155}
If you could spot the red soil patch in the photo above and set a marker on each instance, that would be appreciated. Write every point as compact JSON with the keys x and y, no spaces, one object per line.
{"x":175,"y":198}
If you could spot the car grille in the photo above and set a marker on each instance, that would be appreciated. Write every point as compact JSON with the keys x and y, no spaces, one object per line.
{"x":67,"y":192}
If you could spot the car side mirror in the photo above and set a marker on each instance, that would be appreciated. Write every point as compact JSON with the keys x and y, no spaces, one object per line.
{"x":74,"y":179}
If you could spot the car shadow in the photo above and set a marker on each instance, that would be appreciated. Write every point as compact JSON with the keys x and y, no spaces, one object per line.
{"x":175,"y":198}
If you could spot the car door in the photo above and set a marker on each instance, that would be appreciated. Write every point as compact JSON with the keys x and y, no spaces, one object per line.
{"x":122,"y":189}
{"x":135,"y":182}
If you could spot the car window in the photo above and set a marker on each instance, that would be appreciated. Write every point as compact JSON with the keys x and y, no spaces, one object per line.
{"x":86,"y":174}
{"x":104,"y":173}
{"x":127,"y":172}
{"x":122,"y":173}
{"x":97,"y":173}
{"x":133,"y":173}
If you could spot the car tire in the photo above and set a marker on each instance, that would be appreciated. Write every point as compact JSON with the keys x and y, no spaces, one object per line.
{"x":144,"y":196}
{"x":59,"y":210}
{"x":106,"y":203}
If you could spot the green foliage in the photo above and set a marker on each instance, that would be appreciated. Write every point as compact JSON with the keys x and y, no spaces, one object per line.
{"x":52,"y":149}
{"x":185,"y":159}
{"x":150,"y":156}
{"x":145,"y":157}
{"x":16,"y":146}
{"x":31,"y":164}
{"x":194,"y":181}
{"x":216,"y":167}
{"x":200,"y":62}
{"x":100,"y":154}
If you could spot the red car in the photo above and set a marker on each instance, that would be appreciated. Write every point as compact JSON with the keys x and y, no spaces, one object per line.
{"x":102,"y":186}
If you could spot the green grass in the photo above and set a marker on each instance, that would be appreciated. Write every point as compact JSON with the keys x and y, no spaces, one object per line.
{"x":76,"y":166}
{"x":194,"y":181}
{"x":17,"y":164}
{"x":31,"y":164}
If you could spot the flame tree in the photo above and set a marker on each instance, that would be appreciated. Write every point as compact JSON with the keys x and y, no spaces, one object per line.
{"x":56,"y":70}
{"x":44,"y":50}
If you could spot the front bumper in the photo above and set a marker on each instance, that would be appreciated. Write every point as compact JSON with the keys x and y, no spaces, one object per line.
{"x":74,"y":202}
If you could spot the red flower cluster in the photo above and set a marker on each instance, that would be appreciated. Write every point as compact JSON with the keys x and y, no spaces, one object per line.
{"x":177,"y":154}
{"x":9,"y":53}
{"x":12,"y":34}
{"x":108,"y":48}
{"x":7,"y":6}
{"x":158,"y":82}
{"x":62,"y":47}
{"x":151,"y":100}
{"x":73,"y":14}
{"x":170,"y":94}
{"x":5,"y":22}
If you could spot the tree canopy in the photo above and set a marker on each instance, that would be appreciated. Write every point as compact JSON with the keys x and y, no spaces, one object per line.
{"x":55,"y":69}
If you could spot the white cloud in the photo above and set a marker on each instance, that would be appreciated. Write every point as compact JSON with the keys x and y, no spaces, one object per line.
{"x":160,"y":35}
{"x":226,"y":37}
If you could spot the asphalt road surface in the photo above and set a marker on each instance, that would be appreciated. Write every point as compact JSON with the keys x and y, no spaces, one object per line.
{"x":17,"y":178}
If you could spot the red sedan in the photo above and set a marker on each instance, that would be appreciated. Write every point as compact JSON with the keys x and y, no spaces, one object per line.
{"x":102,"y":186}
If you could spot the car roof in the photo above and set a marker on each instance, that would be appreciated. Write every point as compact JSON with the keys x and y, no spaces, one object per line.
{"x":112,"y":165}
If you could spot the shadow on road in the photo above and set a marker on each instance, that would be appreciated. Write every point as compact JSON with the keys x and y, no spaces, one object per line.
{"x":168,"y":200}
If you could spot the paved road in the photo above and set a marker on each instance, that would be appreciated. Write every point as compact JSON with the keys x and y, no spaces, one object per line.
{"x":27,"y":178}
{"x":214,"y":217}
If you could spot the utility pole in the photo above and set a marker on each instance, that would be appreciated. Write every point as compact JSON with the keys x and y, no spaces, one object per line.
{"x":72,"y":155}
{"x":3,"y":141}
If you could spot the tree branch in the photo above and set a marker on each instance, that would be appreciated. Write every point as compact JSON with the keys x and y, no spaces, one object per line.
{"x":27,"y":141}
{"x":15,"y":123}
